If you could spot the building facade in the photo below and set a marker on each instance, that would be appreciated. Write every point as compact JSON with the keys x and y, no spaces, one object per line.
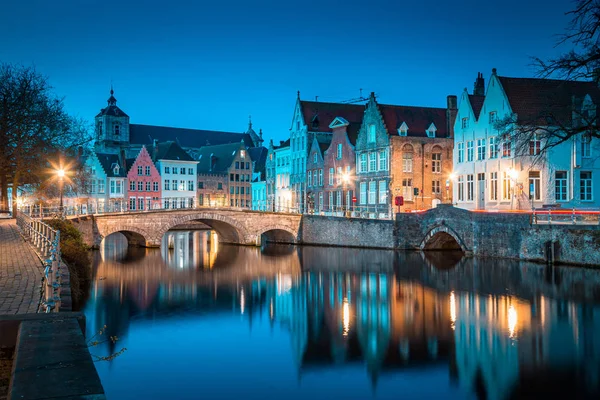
{"x":259,"y":196}
{"x":312,"y":119}
{"x":144,"y":192}
{"x":339,"y":169}
{"x":283,"y":193}
{"x":495,"y":170}
{"x":178,"y":175}
{"x":315,"y":175}
{"x":403,"y":151}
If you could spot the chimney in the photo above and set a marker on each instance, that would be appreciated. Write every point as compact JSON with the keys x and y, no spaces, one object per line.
{"x":154,"y":149}
{"x":123,"y":160}
{"x":479,"y":87}
{"x":451,"y":112}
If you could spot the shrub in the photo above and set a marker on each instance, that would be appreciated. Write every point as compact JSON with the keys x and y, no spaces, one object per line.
{"x":76,"y":256}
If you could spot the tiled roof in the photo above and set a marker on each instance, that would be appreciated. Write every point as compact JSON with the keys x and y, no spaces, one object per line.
{"x":113,"y":111}
{"x":171,"y":151}
{"x":259,"y":156}
{"x":283,"y":144}
{"x":108,"y":161}
{"x":541,"y":100}
{"x":418,"y":119}
{"x":476,"y":103}
{"x":318,"y":116}
{"x":325,"y":142}
{"x":192,"y":138}
{"x":223,"y":156}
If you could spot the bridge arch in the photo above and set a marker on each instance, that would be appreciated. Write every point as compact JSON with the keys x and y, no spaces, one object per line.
{"x":135,"y":236}
{"x":229,"y":229}
{"x":277,"y":234}
{"x":442,"y":237}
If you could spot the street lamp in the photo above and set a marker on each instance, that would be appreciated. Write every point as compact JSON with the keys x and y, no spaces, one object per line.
{"x":61,"y":176}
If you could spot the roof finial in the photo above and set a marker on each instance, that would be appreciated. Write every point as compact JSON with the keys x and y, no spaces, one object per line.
{"x":298,"y":95}
{"x":111,"y":89}
{"x":249,"y":122}
{"x":260,"y":133}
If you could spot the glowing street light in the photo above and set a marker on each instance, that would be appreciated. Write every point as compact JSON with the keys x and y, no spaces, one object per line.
{"x":61,"y":178}
{"x":452,"y":176}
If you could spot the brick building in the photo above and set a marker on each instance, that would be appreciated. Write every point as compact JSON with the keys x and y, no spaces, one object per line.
{"x":144,"y":182}
{"x":224,"y":175}
{"x":339,"y":166}
{"x":315,"y":174}
{"x":419,"y":141}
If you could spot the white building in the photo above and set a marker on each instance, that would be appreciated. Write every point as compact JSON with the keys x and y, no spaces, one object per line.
{"x":259,"y":196}
{"x":283,"y":193}
{"x":492,"y":171}
{"x":178,"y":175}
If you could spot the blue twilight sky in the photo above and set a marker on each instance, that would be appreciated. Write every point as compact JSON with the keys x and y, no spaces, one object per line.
{"x":209,"y":64}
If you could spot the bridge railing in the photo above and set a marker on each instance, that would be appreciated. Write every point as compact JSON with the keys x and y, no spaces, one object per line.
{"x":565,"y":216}
{"x":124,"y":205}
{"x":46,"y":241}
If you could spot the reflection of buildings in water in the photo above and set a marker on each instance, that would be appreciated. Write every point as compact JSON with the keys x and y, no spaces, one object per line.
{"x":190,"y":249}
{"x":500,"y":339}
{"x":370,"y":318}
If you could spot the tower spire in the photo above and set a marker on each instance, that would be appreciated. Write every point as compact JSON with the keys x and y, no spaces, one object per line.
{"x":249,"y":122}
{"x":111,"y":100}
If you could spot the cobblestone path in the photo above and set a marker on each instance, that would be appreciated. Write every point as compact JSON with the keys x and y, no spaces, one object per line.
{"x":21,"y":272}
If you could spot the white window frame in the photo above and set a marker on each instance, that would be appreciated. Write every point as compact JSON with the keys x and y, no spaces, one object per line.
{"x":561,"y":186}
{"x":372,"y":192}
{"x":383,"y":192}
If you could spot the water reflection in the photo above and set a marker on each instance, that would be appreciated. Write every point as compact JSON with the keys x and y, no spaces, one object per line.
{"x":340,"y":322}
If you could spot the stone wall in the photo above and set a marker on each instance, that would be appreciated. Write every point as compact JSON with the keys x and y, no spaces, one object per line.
{"x":347,"y":232}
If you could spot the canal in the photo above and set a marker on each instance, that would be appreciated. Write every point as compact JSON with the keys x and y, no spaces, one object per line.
{"x":201,"y":319}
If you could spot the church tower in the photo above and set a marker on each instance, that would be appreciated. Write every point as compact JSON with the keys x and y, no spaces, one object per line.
{"x":112,"y":127}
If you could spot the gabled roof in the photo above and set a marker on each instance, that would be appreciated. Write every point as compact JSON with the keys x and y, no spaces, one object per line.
{"x":476,"y":104}
{"x":318,"y":116}
{"x":222,"y":157}
{"x":194,"y":138}
{"x":129,"y":163}
{"x":108,"y":161}
{"x":418,"y":119}
{"x":171,"y":151}
{"x":282,"y":144}
{"x":324,"y":143}
{"x":259,"y":156}
{"x":541,"y":100}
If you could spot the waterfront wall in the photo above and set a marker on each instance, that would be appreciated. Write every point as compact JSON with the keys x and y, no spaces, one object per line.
{"x":347,"y":232}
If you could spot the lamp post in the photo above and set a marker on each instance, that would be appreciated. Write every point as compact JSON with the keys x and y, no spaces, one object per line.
{"x":61,"y":177}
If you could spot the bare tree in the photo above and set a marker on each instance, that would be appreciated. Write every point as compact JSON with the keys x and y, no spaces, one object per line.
{"x":561,"y":106}
{"x":34,"y":128}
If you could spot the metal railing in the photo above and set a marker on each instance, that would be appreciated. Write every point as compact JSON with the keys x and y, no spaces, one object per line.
{"x":124,"y":205}
{"x":46,"y":241}
{"x":565,"y":217}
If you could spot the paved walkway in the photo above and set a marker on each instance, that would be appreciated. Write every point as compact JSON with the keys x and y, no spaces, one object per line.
{"x":21,"y":272}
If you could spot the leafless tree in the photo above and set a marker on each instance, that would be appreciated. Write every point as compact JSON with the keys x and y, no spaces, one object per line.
{"x":560,"y":111}
{"x":34,"y":128}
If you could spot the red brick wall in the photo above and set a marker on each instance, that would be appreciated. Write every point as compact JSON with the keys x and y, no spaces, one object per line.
{"x":422,"y":174}
{"x":331,"y":161}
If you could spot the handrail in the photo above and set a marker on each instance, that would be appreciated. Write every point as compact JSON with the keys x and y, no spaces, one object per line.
{"x":46,"y":241}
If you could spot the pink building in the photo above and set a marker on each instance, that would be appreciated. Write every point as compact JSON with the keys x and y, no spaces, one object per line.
{"x":144,"y":182}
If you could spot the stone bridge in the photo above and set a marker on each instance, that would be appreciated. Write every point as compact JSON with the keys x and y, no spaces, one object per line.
{"x":507,"y":235}
{"x":147,"y":228}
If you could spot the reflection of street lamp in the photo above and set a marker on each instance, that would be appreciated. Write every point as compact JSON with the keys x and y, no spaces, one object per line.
{"x":61,"y":177}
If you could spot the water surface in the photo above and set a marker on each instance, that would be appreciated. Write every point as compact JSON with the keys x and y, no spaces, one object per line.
{"x":205,"y":320}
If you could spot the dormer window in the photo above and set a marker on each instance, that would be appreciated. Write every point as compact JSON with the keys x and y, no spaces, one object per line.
{"x":403,"y":130}
{"x":431,"y":130}
{"x":315,"y":122}
{"x":116,"y":170}
{"x":117,"y":129}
